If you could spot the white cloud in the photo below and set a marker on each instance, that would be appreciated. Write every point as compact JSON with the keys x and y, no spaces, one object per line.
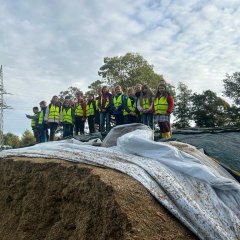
{"x":47,"y":46}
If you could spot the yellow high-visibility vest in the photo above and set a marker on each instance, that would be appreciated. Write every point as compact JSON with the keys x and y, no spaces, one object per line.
{"x":161,"y":105}
{"x":79,"y":110}
{"x":96,"y":103}
{"x":117,"y":101}
{"x":40,"y":119}
{"x":131,"y":107}
{"x":90,"y":109}
{"x":67,"y":115}
{"x":54,"y":112}
{"x":33,"y":122}
{"x":145,"y":103}
{"x":106,"y":104}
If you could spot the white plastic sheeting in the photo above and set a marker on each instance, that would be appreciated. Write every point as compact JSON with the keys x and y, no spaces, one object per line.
{"x":202,"y":196}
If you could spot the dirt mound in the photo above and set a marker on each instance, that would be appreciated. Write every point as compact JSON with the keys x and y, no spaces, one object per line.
{"x":51,"y":199}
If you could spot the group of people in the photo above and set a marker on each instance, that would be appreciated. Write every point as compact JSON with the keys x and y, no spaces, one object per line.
{"x":139,"y":105}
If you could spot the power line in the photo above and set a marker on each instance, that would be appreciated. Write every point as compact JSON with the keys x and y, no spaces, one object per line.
{"x":3,"y":105}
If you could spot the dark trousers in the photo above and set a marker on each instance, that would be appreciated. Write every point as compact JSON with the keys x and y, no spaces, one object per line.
{"x":164,"y":127}
{"x":36,"y":134}
{"x":43,"y":133}
{"x":97,"y":117}
{"x":119,"y":118}
{"x":105,"y":118}
{"x":147,"y":119}
{"x":79,"y":125}
{"x":91,"y":124}
{"x":67,"y":130}
{"x":130,"y":119}
{"x":53,"y":127}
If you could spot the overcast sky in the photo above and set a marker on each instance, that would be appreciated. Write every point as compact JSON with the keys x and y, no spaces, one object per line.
{"x":47,"y":46}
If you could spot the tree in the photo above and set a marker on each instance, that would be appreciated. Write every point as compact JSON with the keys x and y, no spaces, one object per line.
{"x":209,"y":110}
{"x":28,"y":138}
{"x":95,"y":86}
{"x":11,"y":140}
{"x":71,"y":91}
{"x":233,"y":116}
{"x":232,"y":87}
{"x":128,"y":70}
{"x":182,"y":110}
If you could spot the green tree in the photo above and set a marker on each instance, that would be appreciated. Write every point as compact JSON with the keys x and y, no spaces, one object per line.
{"x":11,"y":140}
{"x":182,"y":110}
{"x":95,"y":86}
{"x":128,"y":70}
{"x":28,"y":138}
{"x":232,"y":87}
{"x":209,"y":110}
{"x":71,"y":91}
{"x":233,"y":116}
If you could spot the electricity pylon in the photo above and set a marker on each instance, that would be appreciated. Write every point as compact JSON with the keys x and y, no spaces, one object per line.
{"x":2,"y":106}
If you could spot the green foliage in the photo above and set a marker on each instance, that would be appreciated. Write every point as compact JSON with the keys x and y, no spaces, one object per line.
{"x":209,"y":110}
{"x":95,"y":87}
{"x":28,"y":138}
{"x":128,"y":70}
{"x":71,"y":91}
{"x":232,"y":87}
{"x":11,"y":140}
{"x":233,"y":116}
{"x":182,"y":110}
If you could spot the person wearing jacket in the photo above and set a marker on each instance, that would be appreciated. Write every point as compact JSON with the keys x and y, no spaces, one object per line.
{"x":162,"y":108}
{"x":105,"y":106}
{"x":41,"y":125}
{"x":138,"y":90}
{"x":91,"y":109}
{"x":67,"y":118}
{"x":52,"y":116}
{"x":144,"y":105}
{"x":130,"y":111}
{"x":80,"y":114}
{"x":118,"y":105}
{"x":34,"y":120}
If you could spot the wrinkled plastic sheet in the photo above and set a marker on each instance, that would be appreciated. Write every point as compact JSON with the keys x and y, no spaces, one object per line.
{"x":223,"y":146}
{"x":200,"y":193}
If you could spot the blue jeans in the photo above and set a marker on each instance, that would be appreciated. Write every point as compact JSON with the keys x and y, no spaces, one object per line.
{"x":105,"y":118}
{"x":147,"y":119}
{"x":43,"y":133}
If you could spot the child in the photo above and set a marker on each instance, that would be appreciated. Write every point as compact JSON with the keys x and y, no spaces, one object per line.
{"x":80,"y":114}
{"x":105,"y":106}
{"x":91,"y":109}
{"x":130,"y":112}
{"x":42,"y":126}
{"x":118,"y":105}
{"x":67,"y":118}
{"x":162,"y":108}
{"x":144,"y":106}
{"x":138,"y":90}
{"x":34,"y":121}
{"x":52,"y":116}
